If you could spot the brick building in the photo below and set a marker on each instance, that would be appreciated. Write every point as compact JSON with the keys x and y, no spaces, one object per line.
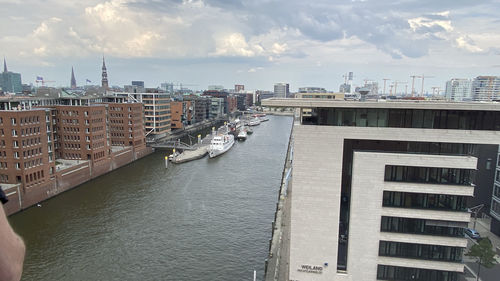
{"x":126,"y":124}
{"x":26,"y":147}
{"x":181,"y":112}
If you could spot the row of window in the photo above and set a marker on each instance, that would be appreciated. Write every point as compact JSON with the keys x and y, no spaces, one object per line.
{"x":424,"y":201}
{"x":420,"y":226}
{"x":429,"y":175}
{"x":386,"y":272}
{"x":406,"y":118}
{"x":23,"y":120}
{"x":420,"y":251}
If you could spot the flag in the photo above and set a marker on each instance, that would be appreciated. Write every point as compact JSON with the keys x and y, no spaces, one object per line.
{"x":88,"y":81}
{"x":39,"y":78}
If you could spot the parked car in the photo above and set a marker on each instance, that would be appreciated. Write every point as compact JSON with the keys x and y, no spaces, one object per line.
{"x":472,"y":233}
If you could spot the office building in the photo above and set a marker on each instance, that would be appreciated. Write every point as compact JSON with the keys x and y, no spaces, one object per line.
{"x":495,"y":199}
{"x":138,"y":83}
{"x":156,"y":110}
{"x":281,"y":90}
{"x":486,"y":88}
{"x":10,"y":82}
{"x":239,"y":88}
{"x":216,"y":107}
{"x":458,"y":90}
{"x":379,"y":189}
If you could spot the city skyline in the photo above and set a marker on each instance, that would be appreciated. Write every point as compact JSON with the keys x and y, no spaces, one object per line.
{"x":252,"y":43}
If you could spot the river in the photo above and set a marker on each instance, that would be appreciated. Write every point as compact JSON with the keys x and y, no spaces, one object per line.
{"x":209,"y":219}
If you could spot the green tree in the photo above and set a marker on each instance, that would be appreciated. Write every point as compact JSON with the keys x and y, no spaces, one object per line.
{"x":484,"y":253}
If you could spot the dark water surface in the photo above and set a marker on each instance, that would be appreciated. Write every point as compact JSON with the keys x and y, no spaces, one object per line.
{"x":208,"y":219}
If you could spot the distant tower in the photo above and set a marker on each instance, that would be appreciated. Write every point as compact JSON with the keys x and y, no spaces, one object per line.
{"x":73,"y":80}
{"x":4,"y":65}
{"x":104,"y":75}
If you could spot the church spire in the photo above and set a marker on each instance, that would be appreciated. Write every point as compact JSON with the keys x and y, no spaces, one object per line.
{"x":104,"y":75}
{"x":73,"y":80}
{"x":4,"y":65}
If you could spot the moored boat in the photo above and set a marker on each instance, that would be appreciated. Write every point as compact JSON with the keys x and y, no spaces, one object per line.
{"x":242,"y":135}
{"x":253,"y":122}
{"x":220,"y":144}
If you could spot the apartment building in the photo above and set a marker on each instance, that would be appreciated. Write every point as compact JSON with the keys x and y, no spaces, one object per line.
{"x":26,"y":147}
{"x":181,"y":112}
{"x":126,"y":124}
{"x":379,"y":189}
{"x":82,"y":132}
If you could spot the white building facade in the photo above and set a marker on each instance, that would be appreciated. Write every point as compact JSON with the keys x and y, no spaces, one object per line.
{"x":486,"y":88}
{"x":379,"y":189}
{"x":458,"y":90}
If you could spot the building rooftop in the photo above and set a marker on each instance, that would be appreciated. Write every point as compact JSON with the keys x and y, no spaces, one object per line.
{"x":389,"y":104}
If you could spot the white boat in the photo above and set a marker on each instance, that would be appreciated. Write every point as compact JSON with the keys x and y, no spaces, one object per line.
{"x":242,"y":135}
{"x":220,"y":144}
{"x":264,"y":118}
{"x":254,"y":121}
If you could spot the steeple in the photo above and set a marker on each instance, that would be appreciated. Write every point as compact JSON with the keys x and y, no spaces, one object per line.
{"x":4,"y":65}
{"x":104,"y":75}
{"x":73,"y":80}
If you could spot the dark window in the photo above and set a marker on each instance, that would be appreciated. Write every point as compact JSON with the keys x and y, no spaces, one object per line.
{"x":424,"y":201}
{"x":421,"y":226}
{"x":420,"y":251}
{"x":386,"y":272}
{"x":430,"y":174}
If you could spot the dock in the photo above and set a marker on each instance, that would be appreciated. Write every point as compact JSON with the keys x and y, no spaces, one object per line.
{"x":196,"y":151}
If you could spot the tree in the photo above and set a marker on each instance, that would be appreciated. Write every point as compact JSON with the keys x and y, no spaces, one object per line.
{"x":484,"y":254}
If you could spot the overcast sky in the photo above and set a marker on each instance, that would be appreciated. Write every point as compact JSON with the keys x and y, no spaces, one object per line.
{"x":252,"y":42}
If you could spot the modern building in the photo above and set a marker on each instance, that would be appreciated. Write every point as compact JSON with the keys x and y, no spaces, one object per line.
{"x":281,"y":90}
{"x":495,"y":200}
{"x":379,"y":189}
{"x":10,"y":82}
{"x":486,"y":88}
{"x":239,"y":88}
{"x":458,"y":90}
{"x":312,"y":90}
{"x":138,"y":83}
{"x":216,"y":108}
{"x":156,"y":110}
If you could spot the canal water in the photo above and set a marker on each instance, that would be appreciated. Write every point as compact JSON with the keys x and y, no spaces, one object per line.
{"x":208,"y":219}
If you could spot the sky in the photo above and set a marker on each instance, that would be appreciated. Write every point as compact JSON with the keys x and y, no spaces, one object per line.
{"x":257,"y":43}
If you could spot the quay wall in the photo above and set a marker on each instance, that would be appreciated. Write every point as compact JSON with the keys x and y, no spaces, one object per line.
{"x":69,"y":178}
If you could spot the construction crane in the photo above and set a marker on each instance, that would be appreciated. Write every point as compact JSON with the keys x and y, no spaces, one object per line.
{"x":413,"y":84}
{"x":385,"y":80}
{"x":423,"y":78}
{"x":396,"y":86}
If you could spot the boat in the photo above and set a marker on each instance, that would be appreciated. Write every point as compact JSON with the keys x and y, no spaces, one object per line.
{"x":242,"y":135}
{"x":220,"y":144}
{"x":264,"y":118}
{"x":249,"y":131}
{"x":254,"y":122}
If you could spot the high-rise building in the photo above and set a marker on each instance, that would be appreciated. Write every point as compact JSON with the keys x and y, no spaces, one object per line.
{"x":73,"y":80}
{"x":239,"y":88}
{"x":281,"y":90}
{"x":378,"y":190}
{"x":104,"y":80}
{"x":458,"y":90}
{"x":10,"y":82}
{"x":486,"y":88}
{"x":138,"y":83}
